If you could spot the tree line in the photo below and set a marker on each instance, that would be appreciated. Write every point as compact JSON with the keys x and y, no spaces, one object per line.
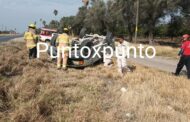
{"x":157,"y":18}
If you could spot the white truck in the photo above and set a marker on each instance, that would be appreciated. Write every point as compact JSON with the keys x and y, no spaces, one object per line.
{"x":47,"y":34}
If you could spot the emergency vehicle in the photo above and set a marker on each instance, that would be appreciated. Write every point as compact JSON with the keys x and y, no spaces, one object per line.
{"x":47,"y":34}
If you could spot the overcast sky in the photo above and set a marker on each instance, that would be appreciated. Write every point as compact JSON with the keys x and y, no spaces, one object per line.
{"x":19,"y":13}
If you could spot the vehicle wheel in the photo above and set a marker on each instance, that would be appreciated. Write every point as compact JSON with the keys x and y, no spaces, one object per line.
{"x":47,"y":41}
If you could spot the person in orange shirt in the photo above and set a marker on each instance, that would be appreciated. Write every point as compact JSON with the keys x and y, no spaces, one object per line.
{"x":62,"y":43}
{"x":184,"y":56}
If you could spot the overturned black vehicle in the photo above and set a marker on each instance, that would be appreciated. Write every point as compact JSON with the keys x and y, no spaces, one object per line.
{"x":93,"y":42}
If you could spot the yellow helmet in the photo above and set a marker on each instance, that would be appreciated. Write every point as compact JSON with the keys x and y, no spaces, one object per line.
{"x":66,"y":29}
{"x":32,"y":26}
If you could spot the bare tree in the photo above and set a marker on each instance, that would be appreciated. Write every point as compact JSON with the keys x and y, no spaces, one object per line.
{"x":96,"y":15}
{"x":151,"y":11}
{"x":128,"y":11}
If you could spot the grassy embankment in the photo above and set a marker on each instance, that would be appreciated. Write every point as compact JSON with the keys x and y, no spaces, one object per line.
{"x":164,"y":47}
{"x":164,"y":51}
{"x":36,"y":91}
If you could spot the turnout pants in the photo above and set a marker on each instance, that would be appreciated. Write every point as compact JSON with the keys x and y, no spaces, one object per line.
{"x":122,"y":64}
{"x":187,"y":64}
{"x":62,"y":59}
{"x":185,"y":60}
{"x":180,"y":65}
{"x":33,"y":53}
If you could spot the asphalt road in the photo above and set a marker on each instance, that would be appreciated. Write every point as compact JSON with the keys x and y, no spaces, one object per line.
{"x":161,"y":63}
{"x":7,"y":38}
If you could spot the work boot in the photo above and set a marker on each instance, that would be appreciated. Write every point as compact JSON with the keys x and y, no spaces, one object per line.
{"x":58,"y":67}
{"x":175,"y":74}
{"x":64,"y":68}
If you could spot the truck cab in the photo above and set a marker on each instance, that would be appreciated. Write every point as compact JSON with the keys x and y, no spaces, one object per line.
{"x":47,"y":34}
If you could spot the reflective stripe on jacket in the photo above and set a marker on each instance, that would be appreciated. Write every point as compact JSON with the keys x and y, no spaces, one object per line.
{"x":63,"y":40}
{"x":30,"y":39}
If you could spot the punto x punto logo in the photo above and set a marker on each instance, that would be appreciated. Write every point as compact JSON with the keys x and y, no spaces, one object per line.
{"x":107,"y":52}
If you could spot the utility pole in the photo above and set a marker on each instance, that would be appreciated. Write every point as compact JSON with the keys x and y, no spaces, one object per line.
{"x":137,"y":22}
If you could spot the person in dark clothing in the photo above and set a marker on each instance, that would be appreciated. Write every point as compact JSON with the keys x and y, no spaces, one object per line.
{"x":181,"y":63}
{"x":185,"y":56}
{"x":187,"y":64}
{"x":180,"y":66}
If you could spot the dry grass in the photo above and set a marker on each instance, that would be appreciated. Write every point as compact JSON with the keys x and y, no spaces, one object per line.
{"x":36,"y":91}
{"x":165,"y":51}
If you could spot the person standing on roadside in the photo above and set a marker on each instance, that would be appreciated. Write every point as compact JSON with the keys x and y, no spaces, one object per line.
{"x":30,"y":38}
{"x":121,"y":50}
{"x":62,"y":43}
{"x":185,"y":56}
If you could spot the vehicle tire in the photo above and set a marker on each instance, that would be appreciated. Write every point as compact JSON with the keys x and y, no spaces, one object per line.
{"x":47,"y":41}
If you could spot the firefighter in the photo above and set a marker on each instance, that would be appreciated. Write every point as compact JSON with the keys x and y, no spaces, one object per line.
{"x":30,"y":38}
{"x":185,"y":56}
{"x":62,"y":43}
{"x":121,"y":50}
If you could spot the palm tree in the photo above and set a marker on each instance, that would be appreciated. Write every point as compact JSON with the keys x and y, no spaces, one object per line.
{"x":44,"y":23}
{"x":55,"y":12}
{"x":41,"y":19}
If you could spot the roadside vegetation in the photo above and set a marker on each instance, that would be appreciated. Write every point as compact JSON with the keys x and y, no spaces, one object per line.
{"x":162,"y":51}
{"x":167,"y":51}
{"x":36,"y":91}
{"x":7,"y":34}
{"x":164,"y":47}
{"x":161,"y":22}
{"x":158,"y":18}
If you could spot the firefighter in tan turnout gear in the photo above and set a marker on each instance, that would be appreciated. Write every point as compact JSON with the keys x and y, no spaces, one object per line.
{"x":30,"y":38}
{"x":62,"y":43}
